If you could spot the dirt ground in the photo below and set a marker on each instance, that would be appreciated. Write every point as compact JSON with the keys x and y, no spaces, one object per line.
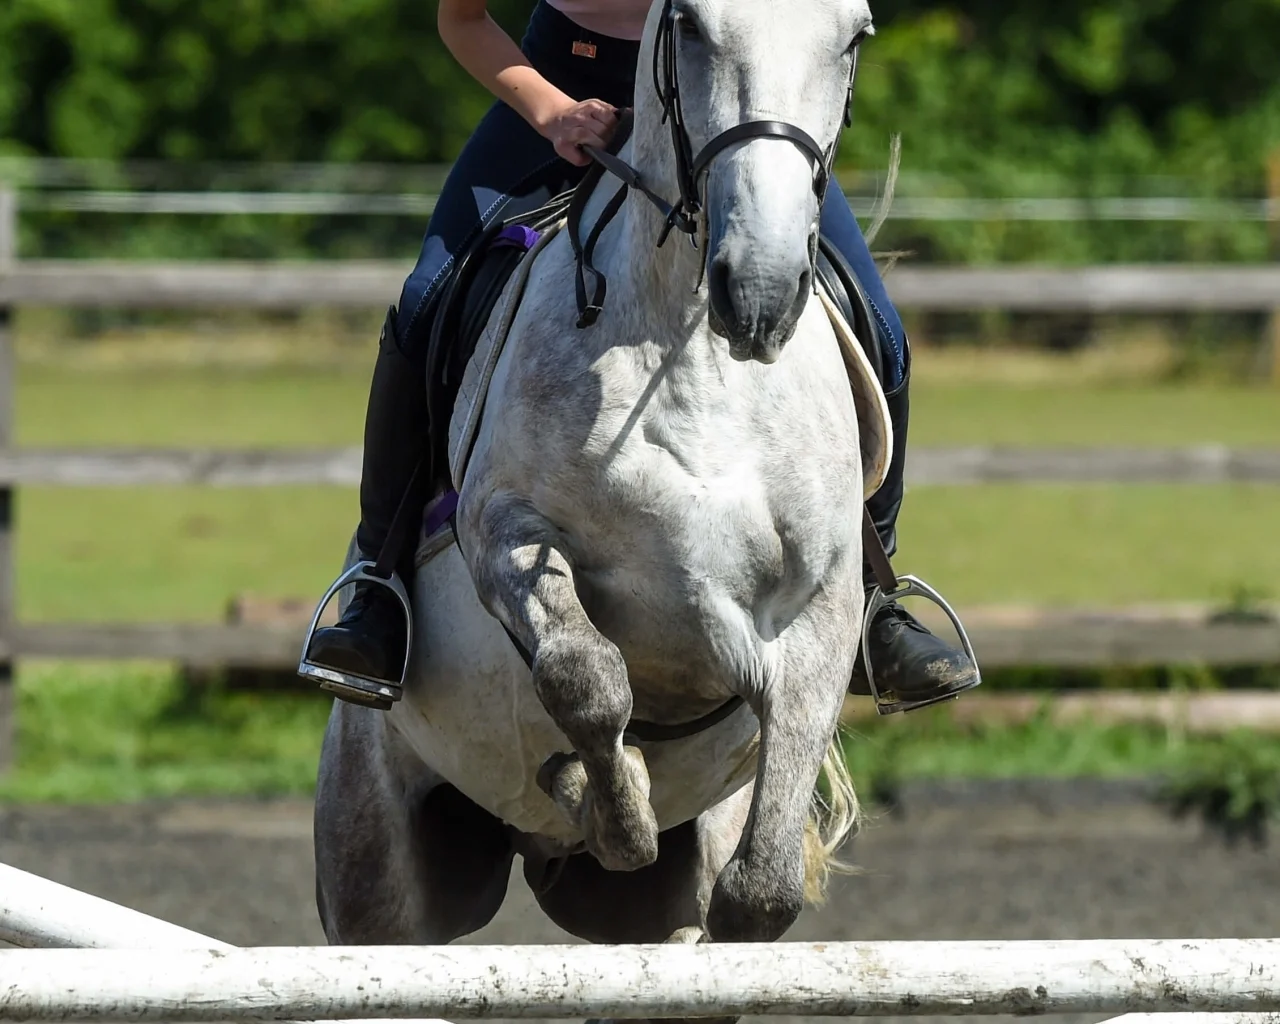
{"x":990,"y":861}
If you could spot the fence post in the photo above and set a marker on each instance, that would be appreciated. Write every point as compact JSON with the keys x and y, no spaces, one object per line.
{"x":1273,"y":217}
{"x":8,"y":253}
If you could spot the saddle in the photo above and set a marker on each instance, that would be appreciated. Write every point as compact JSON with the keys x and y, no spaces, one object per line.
{"x":480,"y":274}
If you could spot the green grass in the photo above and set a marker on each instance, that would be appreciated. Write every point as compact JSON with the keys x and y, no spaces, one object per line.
{"x":181,"y":553}
{"x":931,"y":745}
{"x":89,"y":733}
{"x":1232,"y":782}
{"x":202,"y":406}
{"x":1139,"y":415}
{"x":174,"y":553}
{"x":107,"y":733}
{"x":1093,"y":545}
{"x":326,"y":406}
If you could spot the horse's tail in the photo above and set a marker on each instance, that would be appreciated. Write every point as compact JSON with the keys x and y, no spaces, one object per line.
{"x":834,"y":815}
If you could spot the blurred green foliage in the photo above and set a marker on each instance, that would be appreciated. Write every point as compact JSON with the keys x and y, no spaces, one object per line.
{"x":262,"y":80}
{"x":991,"y":97}
{"x":1233,"y":786}
{"x":1103,"y":94}
{"x":1091,"y":90}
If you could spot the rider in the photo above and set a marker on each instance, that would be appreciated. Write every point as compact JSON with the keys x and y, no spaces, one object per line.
{"x":560,"y":90}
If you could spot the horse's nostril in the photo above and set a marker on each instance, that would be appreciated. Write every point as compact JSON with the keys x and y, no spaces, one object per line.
{"x":719,"y":293}
{"x":806,"y":277}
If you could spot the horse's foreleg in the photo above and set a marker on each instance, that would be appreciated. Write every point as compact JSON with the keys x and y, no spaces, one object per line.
{"x":525,"y":578}
{"x":760,"y":892}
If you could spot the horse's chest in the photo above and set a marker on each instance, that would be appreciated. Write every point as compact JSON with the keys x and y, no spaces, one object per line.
{"x":718,"y":548}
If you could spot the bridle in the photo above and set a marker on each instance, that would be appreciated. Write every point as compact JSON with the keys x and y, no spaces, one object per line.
{"x":684,"y":215}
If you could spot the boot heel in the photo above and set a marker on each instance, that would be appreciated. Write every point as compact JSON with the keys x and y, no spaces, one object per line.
{"x":349,"y":686}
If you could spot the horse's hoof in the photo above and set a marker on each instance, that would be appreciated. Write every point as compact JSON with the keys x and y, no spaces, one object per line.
{"x":623,"y":836}
{"x":552,"y":767}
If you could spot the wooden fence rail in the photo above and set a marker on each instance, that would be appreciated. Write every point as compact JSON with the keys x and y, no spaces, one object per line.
{"x":8,"y":252}
{"x":1063,"y":639}
{"x":1136,"y":288}
{"x":141,"y":467}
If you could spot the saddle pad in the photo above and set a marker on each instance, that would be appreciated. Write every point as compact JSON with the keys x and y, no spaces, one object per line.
{"x":875,"y":428}
{"x":469,"y":405}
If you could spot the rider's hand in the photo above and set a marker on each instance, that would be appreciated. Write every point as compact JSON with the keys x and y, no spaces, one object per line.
{"x":588,"y":123}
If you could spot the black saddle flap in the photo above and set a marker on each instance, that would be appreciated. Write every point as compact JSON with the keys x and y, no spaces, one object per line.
{"x":480,"y":273}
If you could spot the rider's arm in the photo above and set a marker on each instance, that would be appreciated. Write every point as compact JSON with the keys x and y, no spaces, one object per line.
{"x":494,"y":60}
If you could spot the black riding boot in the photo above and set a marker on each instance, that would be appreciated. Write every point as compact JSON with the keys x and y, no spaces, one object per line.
{"x":369,"y":639}
{"x":910,"y":663}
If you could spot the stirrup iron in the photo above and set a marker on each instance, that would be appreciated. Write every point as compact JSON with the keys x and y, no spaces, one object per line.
{"x":348,"y":686}
{"x":909,"y":586}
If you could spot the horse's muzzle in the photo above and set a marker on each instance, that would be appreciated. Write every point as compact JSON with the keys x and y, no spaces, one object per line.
{"x":756,"y":314}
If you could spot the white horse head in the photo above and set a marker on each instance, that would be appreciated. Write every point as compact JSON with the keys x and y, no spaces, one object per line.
{"x":755,"y":94}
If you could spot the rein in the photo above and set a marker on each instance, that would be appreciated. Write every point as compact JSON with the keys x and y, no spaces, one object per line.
{"x":684,"y":214}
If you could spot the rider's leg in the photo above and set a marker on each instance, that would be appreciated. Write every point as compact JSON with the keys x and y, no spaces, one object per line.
{"x":908,"y":659}
{"x":369,"y":638}
{"x":505,"y":168}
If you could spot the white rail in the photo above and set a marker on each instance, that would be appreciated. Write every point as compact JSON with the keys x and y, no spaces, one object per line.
{"x":38,"y":913}
{"x":484,"y":982}
{"x":842,"y":977}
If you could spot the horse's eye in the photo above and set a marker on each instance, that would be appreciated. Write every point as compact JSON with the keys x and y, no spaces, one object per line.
{"x":688,"y":27}
{"x":858,"y":40}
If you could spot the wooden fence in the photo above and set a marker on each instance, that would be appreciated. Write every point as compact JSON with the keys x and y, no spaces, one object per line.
{"x":1118,"y":288}
{"x":277,"y":286}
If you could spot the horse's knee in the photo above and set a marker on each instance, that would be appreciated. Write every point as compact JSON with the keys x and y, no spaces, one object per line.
{"x":582,"y":682}
{"x":755,"y":905}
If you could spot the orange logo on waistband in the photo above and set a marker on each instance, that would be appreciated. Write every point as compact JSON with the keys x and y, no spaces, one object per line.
{"x":581,"y":49}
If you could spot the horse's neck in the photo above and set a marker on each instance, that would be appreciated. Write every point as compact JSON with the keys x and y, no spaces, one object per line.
{"x":650,"y":289}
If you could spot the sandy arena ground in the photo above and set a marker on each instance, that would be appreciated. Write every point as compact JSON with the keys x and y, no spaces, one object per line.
{"x":963,"y":862}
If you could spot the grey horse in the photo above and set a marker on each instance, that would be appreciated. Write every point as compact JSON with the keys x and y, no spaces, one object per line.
{"x":663,"y":511}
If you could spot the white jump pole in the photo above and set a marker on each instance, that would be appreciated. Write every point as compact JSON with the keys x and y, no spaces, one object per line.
{"x":38,"y":913}
{"x":1195,"y":1018}
{"x":35,"y":912}
{"x":831,"y":979}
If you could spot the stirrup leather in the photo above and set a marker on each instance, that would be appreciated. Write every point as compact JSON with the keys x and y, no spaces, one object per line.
{"x":378,"y":693}
{"x":889,"y":703}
